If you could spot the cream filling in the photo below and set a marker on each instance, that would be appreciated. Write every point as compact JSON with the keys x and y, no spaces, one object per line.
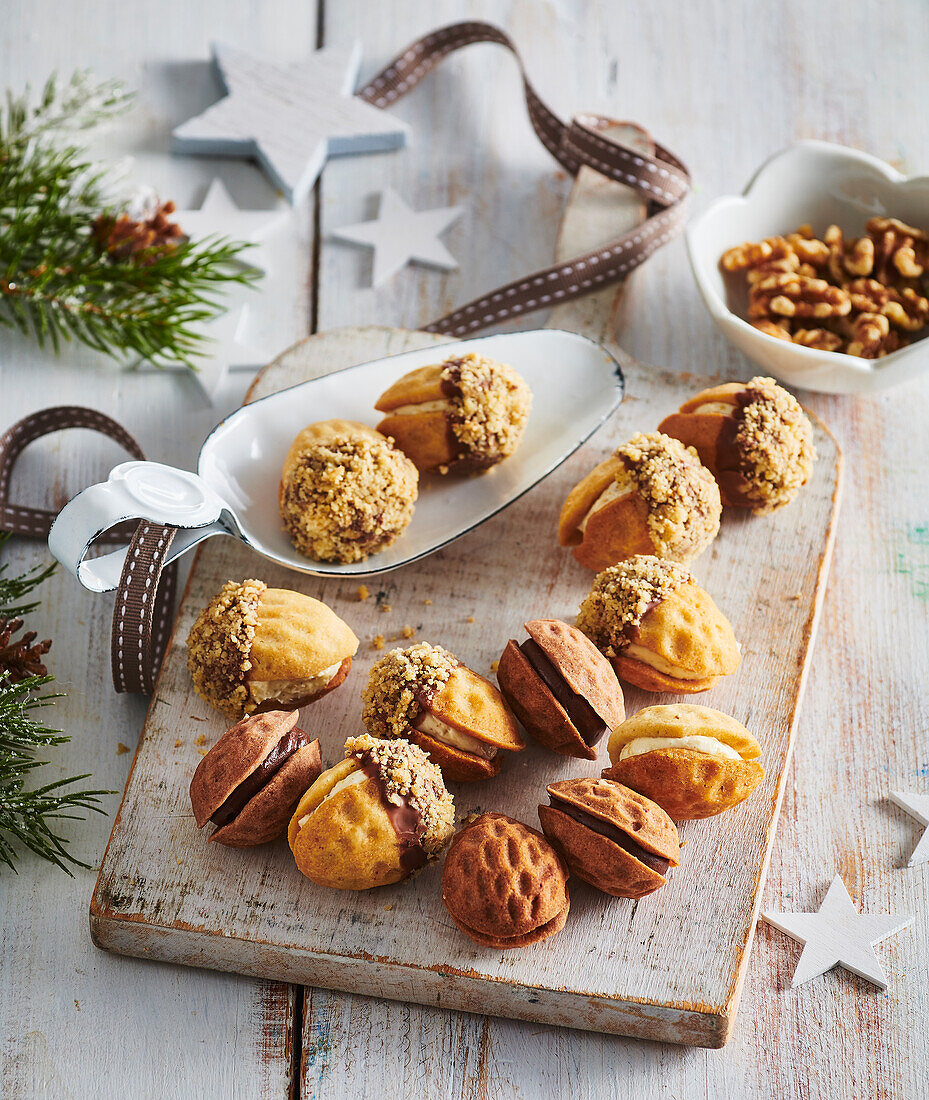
{"x":613,"y":491}
{"x":640,"y":745}
{"x":422,"y":407}
{"x":448,"y":735}
{"x":657,"y":662}
{"x":357,"y":776}
{"x":721,"y":408}
{"x":288,"y":691}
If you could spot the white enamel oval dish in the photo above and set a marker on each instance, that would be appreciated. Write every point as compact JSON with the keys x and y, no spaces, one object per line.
{"x":575,"y":383}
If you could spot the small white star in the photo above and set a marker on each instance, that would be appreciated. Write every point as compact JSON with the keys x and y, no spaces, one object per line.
{"x":400,"y":235}
{"x":838,"y":935}
{"x":219,"y":215}
{"x":916,"y":805}
{"x":290,"y":117}
{"x":225,"y":352}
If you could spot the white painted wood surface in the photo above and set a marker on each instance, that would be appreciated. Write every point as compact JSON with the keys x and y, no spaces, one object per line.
{"x":723,"y":84}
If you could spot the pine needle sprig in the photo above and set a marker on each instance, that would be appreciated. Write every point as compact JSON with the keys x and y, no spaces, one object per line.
{"x":58,"y":281}
{"x":14,"y":589}
{"x":28,"y":816}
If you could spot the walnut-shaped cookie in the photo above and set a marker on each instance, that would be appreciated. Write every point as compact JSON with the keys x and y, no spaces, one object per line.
{"x":459,"y":416}
{"x":251,"y":780}
{"x":346,"y":491}
{"x":259,"y":648}
{"x":561,"y":687}
{"x":617,"y":840}
{"x":503,"y":884}
{"x":693,"y":761}
{"x":373,"y":819}
{"x":754,"y":436}
{"x":651,"y":496}
{"x":425,"y":694}
{"x":660,"y":630}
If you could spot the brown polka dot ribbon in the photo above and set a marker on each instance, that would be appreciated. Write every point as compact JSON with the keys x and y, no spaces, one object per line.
{"x":145,"y":596}
{"x":662,"y":180}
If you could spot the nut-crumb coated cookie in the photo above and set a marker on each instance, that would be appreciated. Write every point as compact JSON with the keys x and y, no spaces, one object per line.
{"x":346,"y":491}
{"x":651,"y":496}
{"x":755,"y":437}
{"x":425,"y":694}
{"x":462,"y":415}
{"x":372,"y":819}
{"x":256,"y":647}
{"x":659,"y":629}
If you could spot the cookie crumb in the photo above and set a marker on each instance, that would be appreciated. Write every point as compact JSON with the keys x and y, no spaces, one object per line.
{"x":378,"y":641}
{"x":363,"y":592}
{"x":470,"y":619}
{"x":201,"y":740}
{"x":428,"y":603}
{"x":385,"y":607}
{"x":443,"y":470}
{"x":121,"y":749}
{"x":494,"y":665}
{"x":407,"y":632}
{"x":178,"y":743}
{"x":203,"y":752}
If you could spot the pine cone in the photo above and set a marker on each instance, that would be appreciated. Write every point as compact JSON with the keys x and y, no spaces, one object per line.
{"x":139,"y":242}
{"x":21,"y":659}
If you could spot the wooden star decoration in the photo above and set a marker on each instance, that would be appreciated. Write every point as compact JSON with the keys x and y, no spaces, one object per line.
{"x":227,"y":351}
{"x":838,"y":935}
{"x":218,"y":215}
{"x":290,"y":117}
{"x":916,"y":805}
{"x":400,"y":235}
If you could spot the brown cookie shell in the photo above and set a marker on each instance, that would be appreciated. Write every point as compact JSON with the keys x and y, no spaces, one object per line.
{"x":535,"y":936}
{"x":533,"y":703}
{"x":502,"y":880}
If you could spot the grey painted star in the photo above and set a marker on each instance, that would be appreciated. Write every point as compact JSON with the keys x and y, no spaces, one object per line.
{"x":291,"y":117}
{"x":838,"y":935}
{"x":916,"y":805}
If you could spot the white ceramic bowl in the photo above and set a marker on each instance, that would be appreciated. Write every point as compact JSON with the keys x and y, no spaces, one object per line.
{"x":819,"y":183}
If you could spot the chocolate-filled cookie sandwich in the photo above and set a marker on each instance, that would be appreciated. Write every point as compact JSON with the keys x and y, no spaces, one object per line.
{"x":251,"y":780}
{"x":613,"y":838}
{"x":561,"y":687}
{"x":373,"y":819}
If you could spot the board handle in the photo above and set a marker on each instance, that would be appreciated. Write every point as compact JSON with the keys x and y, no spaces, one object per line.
{"x":135,"y":491}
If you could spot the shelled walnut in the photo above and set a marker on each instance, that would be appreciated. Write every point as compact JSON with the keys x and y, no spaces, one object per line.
{"x":862,"y":296}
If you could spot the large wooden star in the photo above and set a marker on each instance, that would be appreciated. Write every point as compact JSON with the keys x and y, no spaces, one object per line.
{"x":290,"y":117}
{"x":838,"y":935}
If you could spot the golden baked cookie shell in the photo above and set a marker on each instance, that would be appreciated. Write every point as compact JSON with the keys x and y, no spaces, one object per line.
{"x":349,"y":842}
{"x":686,"y":783}
{"x":297,"y":637}
{"x":687,"y":630}
{"x":583,"y":496}
{"x":455,"y":764}
{"x":415,"y":387}
{"x":684,"y":720}
{"x":642,"y":675}
{"x":471,"y":704}
{"x":425,"y":438}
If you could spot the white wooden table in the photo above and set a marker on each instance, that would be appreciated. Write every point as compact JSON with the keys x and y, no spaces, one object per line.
{"x":723,"y":84}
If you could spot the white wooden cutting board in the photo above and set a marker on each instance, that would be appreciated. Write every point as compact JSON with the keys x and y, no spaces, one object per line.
{"x":667,"y":967}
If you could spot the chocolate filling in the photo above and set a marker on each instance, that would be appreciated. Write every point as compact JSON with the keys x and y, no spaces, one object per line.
{"x":585,"y":719}
{"x":611,"y":832}
{"x":260,"y":777}
{"x":407,"y":823}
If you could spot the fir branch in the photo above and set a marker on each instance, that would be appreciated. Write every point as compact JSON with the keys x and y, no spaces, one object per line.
{"x":13,"y":589}
{"x":28,"y":816}
{"x":57,"y":282}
